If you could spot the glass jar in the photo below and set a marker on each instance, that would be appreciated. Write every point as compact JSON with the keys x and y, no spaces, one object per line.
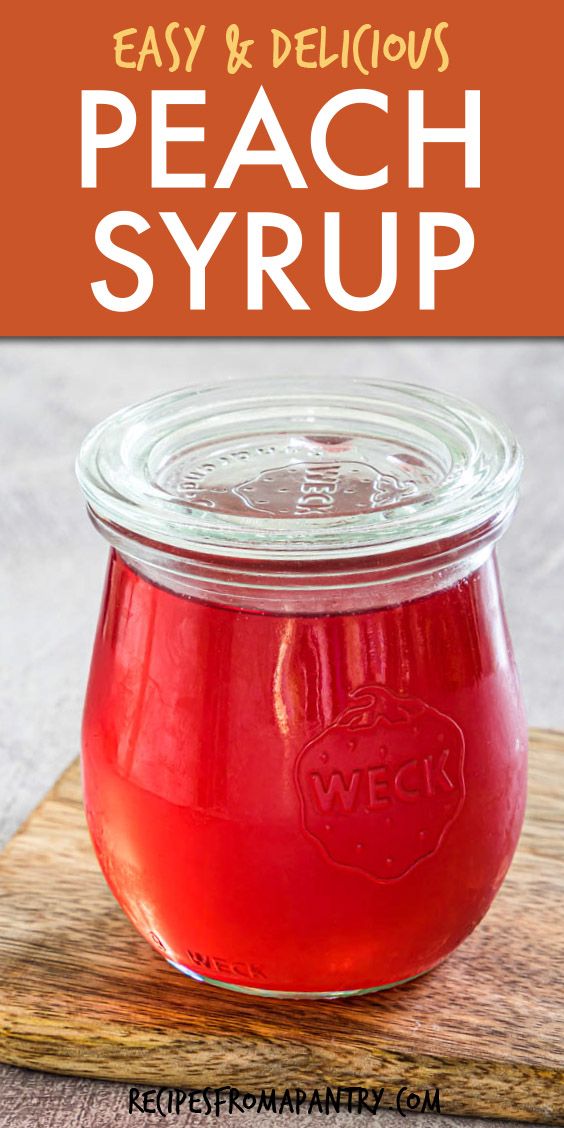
{"x":304,"y":748}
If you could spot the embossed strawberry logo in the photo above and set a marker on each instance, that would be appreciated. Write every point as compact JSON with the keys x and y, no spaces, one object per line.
{"x":382,"y":784}
{"x":317,"y":488}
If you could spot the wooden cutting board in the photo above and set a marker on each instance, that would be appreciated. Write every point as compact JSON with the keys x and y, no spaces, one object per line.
{"x":83,"y":994}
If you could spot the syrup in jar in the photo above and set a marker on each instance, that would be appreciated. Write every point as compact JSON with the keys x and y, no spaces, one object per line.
{"x":304,"y":747}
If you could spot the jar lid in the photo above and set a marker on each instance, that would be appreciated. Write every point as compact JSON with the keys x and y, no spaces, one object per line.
{"x":300,"y":469}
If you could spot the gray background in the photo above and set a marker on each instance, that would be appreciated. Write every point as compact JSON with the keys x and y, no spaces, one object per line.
{"x":52,"y":392}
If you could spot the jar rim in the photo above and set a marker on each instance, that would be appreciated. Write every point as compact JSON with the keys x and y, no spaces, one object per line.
{"x":301,"y":469}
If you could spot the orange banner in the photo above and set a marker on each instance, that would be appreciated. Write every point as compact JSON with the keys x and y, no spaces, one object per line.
{"x":300,"y":169}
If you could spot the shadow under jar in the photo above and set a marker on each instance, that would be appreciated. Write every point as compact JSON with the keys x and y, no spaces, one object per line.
{"x":304,"y":748}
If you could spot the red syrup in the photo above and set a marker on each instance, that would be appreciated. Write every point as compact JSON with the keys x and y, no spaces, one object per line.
{"x":304,"y":803}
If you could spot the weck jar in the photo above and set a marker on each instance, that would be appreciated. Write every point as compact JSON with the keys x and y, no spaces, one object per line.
{"x":304,"y":747}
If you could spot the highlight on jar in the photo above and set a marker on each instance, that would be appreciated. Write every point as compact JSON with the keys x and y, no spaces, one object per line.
{"x":304,"y":746}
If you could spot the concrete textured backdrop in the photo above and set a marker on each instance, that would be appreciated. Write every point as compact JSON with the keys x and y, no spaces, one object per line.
{"x":51,"y":393}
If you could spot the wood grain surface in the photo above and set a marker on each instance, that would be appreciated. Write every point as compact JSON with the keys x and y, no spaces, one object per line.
{"x":82,"y":993}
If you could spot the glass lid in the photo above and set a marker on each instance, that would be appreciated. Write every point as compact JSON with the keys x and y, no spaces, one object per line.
{"x":300,"y":468}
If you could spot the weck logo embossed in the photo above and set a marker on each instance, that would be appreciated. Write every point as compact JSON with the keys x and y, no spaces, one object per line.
{"x":381,"y":785}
